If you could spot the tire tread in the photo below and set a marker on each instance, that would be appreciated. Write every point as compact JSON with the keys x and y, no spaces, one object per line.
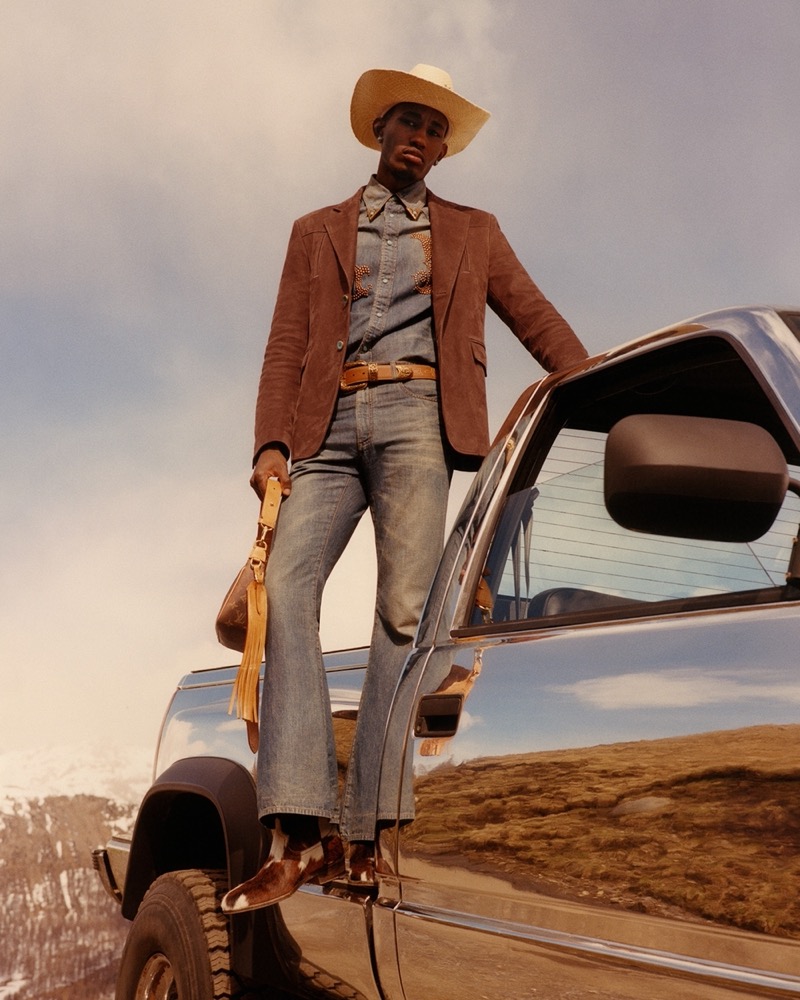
{"x":189,"y":902}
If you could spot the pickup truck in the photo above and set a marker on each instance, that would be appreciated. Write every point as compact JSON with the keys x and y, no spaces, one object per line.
{"x":600,"y":720}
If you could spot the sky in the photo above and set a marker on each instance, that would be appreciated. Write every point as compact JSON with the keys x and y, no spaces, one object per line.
{"x":642,"y":158}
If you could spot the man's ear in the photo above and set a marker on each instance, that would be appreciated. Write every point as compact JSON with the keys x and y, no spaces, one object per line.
{"x":441,"y":155}
{"x":377,"y":128}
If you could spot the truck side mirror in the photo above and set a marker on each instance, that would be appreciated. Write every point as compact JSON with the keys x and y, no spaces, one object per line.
{"x":694,"y":477}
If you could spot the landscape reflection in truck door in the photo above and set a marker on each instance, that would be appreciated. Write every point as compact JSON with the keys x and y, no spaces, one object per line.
{"x":685,"y":826}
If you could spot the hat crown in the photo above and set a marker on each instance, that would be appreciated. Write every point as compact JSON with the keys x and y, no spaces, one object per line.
{"x":378,"y":90}
{"x":433,"y":75}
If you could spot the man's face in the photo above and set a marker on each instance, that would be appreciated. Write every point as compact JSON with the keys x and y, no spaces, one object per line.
{"x":412,"y":138}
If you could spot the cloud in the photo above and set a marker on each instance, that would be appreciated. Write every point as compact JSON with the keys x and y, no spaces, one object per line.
{"x":682,"y":688}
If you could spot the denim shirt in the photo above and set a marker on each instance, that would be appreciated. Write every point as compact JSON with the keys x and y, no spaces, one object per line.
{"x":391,"y":315}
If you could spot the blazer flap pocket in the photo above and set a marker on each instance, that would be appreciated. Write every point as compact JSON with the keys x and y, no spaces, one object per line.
{"x":479,"y":352}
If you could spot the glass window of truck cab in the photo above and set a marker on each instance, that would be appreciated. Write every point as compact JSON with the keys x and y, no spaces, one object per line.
{"x":557,"y":555}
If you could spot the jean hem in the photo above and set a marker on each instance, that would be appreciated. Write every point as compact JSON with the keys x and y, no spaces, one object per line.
{"x":284,"y":810}
{"x":404,"y":817}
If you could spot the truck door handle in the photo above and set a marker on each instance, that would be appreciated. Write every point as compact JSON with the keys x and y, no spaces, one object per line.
{"x":438,"y":715}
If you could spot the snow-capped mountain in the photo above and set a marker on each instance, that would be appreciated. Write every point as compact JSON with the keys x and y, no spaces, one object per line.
{"x":61,"y":933}
{"x":114,"y":772}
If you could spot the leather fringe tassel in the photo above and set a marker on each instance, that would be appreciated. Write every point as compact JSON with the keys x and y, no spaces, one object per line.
{"x":245,"y":688}
{"x":244,"y":697}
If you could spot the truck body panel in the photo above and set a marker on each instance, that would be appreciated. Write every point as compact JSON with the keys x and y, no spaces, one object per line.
{"x":601,"y":726}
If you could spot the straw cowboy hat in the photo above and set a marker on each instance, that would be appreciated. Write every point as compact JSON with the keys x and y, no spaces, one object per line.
{"x":378,"y":90}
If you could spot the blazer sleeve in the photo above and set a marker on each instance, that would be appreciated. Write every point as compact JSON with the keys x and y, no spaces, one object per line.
{"x":534,"y":320}
{"x":286,"y":350}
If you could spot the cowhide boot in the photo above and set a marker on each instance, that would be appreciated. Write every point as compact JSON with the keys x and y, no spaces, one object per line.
{"x":293,"y":860}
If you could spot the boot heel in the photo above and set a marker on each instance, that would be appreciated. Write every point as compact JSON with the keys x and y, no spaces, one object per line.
{"x":333,"y":865}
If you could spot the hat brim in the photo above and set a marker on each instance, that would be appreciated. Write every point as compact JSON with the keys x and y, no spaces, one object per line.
{"x":378,"y":90}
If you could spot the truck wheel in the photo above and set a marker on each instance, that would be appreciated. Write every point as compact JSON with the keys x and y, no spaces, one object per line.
{"x":178,"y":946}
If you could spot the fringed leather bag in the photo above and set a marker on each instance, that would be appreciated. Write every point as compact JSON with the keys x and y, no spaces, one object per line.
{"x":242,"y":619}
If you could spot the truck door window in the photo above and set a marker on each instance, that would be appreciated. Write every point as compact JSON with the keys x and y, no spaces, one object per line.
{"x":564,"y":553}
{"x":556,"y":551}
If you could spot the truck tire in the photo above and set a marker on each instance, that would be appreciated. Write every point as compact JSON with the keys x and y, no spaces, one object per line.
{"x":178,"y":947}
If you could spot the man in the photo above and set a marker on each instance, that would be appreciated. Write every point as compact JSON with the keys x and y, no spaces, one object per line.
{"x":373,"y":385}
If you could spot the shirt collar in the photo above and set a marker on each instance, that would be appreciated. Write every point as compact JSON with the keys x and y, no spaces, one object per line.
{"x":413,"y":198}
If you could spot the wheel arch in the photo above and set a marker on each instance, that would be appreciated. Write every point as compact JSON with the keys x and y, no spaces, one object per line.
{"x":199,"y":813}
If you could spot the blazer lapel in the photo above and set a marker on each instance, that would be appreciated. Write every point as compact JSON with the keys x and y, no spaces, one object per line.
{"x":342,"y":229}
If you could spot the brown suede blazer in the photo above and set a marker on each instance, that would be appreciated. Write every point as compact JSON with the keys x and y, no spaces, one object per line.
{"x":472,"y":265}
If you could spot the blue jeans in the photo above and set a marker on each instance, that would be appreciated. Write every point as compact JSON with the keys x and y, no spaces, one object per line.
{"x":384,"y":451}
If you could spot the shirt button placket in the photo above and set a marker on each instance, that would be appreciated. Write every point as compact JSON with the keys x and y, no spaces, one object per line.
{"x":388,"y":264}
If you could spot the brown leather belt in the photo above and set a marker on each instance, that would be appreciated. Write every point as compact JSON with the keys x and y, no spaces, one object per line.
{"x":360,"y":374}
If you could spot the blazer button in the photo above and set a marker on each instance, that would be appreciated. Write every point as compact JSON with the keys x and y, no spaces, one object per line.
{"x":339,"y":345}
{"x":345,"y":299}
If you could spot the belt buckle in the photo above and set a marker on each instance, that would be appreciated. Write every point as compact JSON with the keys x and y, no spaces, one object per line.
{"x":351,"y":386}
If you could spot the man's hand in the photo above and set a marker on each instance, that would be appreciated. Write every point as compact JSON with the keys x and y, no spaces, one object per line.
{"x":271,"y":464}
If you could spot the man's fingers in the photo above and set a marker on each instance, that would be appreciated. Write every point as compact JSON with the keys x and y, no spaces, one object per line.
{"x":271,"y":464}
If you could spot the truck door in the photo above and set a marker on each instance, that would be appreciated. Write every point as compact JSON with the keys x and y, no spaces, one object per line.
{"x":606,"y":735}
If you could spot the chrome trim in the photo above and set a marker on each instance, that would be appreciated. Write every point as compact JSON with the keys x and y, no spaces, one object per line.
{"x":111,"y":864}
{"x":337,"y":661}
{"x":610,"y":950}
{"x":522,"y":630}
{"x":103,"y":869}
